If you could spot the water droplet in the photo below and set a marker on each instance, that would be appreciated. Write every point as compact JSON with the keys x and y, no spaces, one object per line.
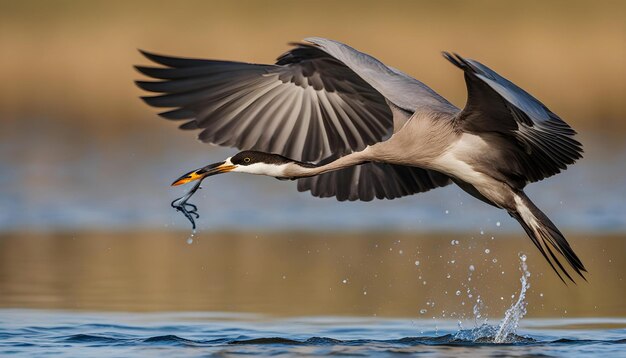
{"x":447,"y":212}
{"x":364,"y":293}
{"x":472,"y":268}
{"x":523,"y":257}
{"x":423,"y":310}
{"x":487,"y":251}
{"x":453,"y":261}
{"x":458,"y":293}
{"x":400,"y":252}
{"x":424,"y":282}
{"x":482,"y":232}
{"x":448,"y":276}
{"x":345,"y":280}
{"x":417,"y":263}
{"x":541,"y":295}
{"x":494,"y":260}
{"x":190,"y":238}
{"x":497,"y":223}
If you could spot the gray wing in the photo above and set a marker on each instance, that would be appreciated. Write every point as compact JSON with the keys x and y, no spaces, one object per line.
{"x":372,"y":180}
{"x":542,"y":143}
{"x":397,"y":87}
{"x":308,"y":106}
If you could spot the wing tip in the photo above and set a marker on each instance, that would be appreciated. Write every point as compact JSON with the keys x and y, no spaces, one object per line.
{"x":152,"y":56}
{"x":460,"y":62}
{"x":145,"y":85}
{"x":454,"y":58}
{"x":147,"y":100}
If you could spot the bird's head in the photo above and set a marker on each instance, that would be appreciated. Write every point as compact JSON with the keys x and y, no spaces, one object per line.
{"x":248,"y":161}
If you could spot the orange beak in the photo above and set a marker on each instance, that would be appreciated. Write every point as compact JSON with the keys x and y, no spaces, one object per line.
{"x":209,"y":170}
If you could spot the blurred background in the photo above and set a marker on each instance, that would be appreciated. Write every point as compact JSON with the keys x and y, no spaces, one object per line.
{"x":85,"y":165}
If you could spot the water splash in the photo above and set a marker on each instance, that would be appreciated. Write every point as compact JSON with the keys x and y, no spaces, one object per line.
{"x":506,"y":331}
{"x":477,"y":310}
{"x":514,"y":314}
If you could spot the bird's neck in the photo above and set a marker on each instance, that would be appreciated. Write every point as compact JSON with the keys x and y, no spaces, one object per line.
{"x":302,"y":170}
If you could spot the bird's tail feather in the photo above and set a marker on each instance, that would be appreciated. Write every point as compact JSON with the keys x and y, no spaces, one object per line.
{"x":546,"y":237}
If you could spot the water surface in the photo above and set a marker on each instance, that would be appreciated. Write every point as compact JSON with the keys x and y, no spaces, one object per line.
{"x":197,"y":334}
{"x":62,"y":179}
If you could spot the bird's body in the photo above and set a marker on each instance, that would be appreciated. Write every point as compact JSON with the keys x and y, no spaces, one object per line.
{"x":345,"y":125}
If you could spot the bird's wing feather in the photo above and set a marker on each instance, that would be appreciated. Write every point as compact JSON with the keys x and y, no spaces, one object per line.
{"x":372,"y":180}
{"x":308,"y":106}
{"x":542,"y":143}
{"x":397,"y":87}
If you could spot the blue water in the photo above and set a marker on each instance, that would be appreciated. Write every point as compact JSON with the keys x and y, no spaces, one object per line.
{"x":60,"y":178}
{"x":194,"y":334}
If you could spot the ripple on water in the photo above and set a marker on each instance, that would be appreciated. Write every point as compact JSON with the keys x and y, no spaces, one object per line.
{"x":65,"y":333}
{"x":105,"y":334}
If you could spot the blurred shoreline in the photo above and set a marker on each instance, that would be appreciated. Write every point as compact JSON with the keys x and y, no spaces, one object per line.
{"x":72,"y":61}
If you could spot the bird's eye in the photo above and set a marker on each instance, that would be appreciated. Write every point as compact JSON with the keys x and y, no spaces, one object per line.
{"x":246,"y":160}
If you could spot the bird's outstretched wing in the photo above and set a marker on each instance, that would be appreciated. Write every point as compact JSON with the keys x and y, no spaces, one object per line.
{"x":543,"y":144}
{"x":319,"y":101}
{"x":308,"y":106}
{"x":400,"y":89}
{"x":370,"y":181}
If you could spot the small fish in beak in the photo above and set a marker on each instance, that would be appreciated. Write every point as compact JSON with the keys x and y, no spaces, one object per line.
{"x":189,"y":210}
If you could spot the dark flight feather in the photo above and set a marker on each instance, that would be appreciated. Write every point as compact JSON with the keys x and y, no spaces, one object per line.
{"x":541,"y":144}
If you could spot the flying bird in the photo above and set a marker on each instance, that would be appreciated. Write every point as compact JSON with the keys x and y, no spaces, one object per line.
{"x":345,"y":125}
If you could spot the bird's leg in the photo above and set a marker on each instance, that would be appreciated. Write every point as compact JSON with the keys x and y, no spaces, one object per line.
{"x":189,"y":210}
